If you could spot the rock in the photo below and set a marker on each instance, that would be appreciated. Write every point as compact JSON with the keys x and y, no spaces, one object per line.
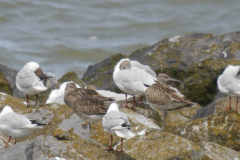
{"x":66,"y":136}
{"x":4,"y":85}
{"x":10,"y":76}
{"x":196,"y":59}
{"x":100,"y":74}
{"x":221,"y":127}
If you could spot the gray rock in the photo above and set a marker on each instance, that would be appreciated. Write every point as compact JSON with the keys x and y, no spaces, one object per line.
{"x":42,"y":116}
{"x":196,"y":59}
{"x":10,"y":75}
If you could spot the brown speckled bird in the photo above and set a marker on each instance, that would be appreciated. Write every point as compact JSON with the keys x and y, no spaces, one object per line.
{"x":86,"y":103}
{"x":164,"y":97}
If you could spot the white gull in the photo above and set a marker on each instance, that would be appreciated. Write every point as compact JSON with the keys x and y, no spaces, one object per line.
{"x":116,"y":123}
{"x":229,"y":83}
{"x":15,"y":125}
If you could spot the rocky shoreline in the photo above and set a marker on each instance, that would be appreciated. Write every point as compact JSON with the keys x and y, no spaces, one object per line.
{"x":191,"y":133}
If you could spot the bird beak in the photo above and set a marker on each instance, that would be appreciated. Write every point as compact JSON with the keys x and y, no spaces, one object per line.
{"x":176,"y":80}
{"x":42,"y":78}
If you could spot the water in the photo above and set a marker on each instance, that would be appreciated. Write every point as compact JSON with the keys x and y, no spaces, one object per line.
{"x":70,"y":35}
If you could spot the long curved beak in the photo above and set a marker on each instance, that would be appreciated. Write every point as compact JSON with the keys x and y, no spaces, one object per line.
{"x":176,"y":80}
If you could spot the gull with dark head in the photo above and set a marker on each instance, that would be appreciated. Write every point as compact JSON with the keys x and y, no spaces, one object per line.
{"x":15,"y":125}
{"x":163,"y":97}
{"x":86,"y":103}
{"x":116,"y":123}
{"x":229,"y":83}
{"x":128,"y":80}
{"x":30,"y":80}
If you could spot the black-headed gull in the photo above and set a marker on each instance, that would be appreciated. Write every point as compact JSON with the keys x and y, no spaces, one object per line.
{"x":15,"y":125}
{"x":116,"y":123}
{"x":132,"y":80}
{"x":229,"y":83}
{"x":163,"y":97}
{"x":30,"y":80}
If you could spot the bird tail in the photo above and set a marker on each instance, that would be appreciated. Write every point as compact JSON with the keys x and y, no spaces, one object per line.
{"x":32,"y":127}
{"x":124,"y":133}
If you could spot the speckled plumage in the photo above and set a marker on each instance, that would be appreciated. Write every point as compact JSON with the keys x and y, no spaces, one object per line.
{"x":87,"y":104}
{"x":164,"y":97}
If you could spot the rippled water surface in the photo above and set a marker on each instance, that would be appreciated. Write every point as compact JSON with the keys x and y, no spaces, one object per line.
{"x":70,"y":35}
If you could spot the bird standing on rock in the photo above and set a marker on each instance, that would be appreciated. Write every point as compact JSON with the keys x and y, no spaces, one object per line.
{"x":30,"y":80}
{"x":163,"y":97}
{"x":116,"y":123}
{"x":15,"y":125}
{"x":229,"y":83}
{"x":130,"y":81}
{"x":86,"y":103}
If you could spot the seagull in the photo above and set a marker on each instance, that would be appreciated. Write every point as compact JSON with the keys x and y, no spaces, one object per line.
{"x":127,"y":80}
{"x":118,"y":97}
{"x":163,"y":97}
{"x":86,"y":103}
{"x":147,"y":75}
{"x":57,"y":95}
{"x":116,"y":123}
{"x":229,"y":83}
{"x":15,"y":125}
{"x":30,"y":80}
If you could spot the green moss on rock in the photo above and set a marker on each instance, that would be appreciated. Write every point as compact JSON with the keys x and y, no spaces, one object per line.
{"x":4,"y":85}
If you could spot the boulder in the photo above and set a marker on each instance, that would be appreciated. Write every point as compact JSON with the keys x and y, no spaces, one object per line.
{"x":4,"y":85}
{"x":10,"y":76}
{"x":196,"y":59}
{"x":221,"y":127}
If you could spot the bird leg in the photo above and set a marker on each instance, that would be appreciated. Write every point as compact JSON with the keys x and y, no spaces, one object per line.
{"x":237,"y":105}
{"x":36,"y":98}
{"x":165,"y":116}
{"x":229,"y":104}
{"x":90,"y":129}
{"x":125,"y":102}
{"x":121,"y":145}
{"x":110,"y":148}
{"x":140,"y":101}
{"x":15,"y":141}
{"x":27,"y":100}
{"x":7,"y":142}
{"x":133,"y":102}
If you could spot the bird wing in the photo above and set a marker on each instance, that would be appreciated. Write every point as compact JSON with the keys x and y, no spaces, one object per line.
{"x":146,"y":68}
{"x":162,"y":94}
{"x":130,"y":81}
{"x":82,"y":92}
{"x":228,"y":84}
{"x":117,"y":96}
{"x":115,"y":120}
{"x":145,"y":76}
{"x":14,"y":120}
{"x":90,"y":106}
{"x":26,"y":78}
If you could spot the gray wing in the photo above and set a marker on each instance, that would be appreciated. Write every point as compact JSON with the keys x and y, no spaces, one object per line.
{"x":18,"y":121}
{"x":51,"y":82}
{"x":143,"y":67}
{"x":130,"y":81}
{"x":26,"y":78}
{"x":115,"y":119}
{"x":227,"y":83}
